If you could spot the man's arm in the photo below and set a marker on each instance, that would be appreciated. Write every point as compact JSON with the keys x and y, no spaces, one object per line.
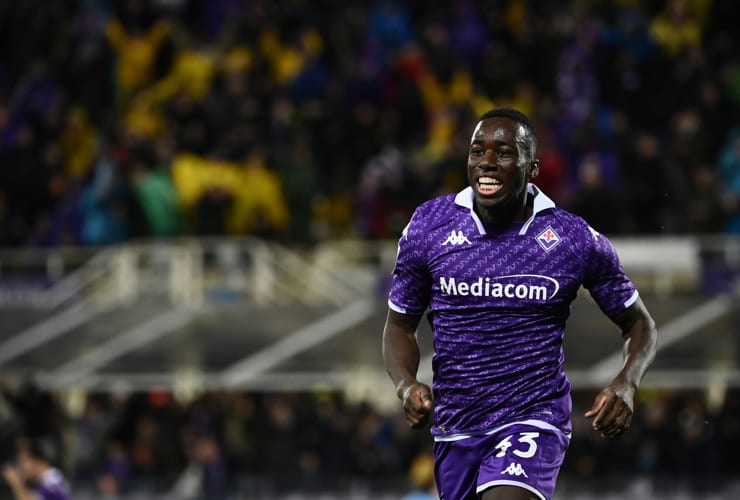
{"x":15,"y":482}
{"x":401,"y":357}
{"x":614,"y":406}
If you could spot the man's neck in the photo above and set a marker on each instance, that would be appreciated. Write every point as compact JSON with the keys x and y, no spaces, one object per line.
{"x":504,"y":216}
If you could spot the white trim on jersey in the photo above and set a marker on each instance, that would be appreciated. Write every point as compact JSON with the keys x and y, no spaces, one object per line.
{"x":632,"y":299}
{"x":541,"y":202}
{"x":539,"y":424}
{"x":503,"y":482}
{"x":394,"y":307}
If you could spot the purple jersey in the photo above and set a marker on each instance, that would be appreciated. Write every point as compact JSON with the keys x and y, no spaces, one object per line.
{"x":498,"y":300}
{"x":52,"y":487}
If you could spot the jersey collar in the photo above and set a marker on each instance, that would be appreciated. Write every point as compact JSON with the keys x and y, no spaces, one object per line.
{"x":541,"y":202}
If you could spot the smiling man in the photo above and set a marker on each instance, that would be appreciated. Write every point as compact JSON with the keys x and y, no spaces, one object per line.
{"x":497,"y":266}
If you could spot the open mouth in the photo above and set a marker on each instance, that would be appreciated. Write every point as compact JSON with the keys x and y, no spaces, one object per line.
{"x":488,"y":185}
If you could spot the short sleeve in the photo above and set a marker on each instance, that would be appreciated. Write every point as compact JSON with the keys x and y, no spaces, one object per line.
{"x":411,"y":283}
{"x":604,"y":277}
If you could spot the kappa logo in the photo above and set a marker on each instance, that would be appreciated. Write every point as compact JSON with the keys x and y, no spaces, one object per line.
{"x":548,"y":239}
{"x":514,"y":469}
{"x":456,"y":238}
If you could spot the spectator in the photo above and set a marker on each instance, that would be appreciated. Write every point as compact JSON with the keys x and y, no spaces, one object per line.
{"x":136,"y":43}
{"x":102,"y":205}
{"x":260,"y":206}
{"x":156,"y":192}
{"x":729,"y":169}
{"x":35,"y":464}
{"x":705,"y":208}
{"x":596,"y":202}
{"x":206,"y":476}
{"x":644,"y":168}
{"x":116,"y":471}
{"x":678,"y":29}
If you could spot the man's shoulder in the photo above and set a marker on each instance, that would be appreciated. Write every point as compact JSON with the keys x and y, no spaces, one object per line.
{"x":568,"y":220}
{"x":445,"y":201}
{"x":437,"y":210}
{"x":565,"y":215}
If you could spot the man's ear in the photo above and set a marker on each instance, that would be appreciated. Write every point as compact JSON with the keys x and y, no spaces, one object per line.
{"x":534,"y":169}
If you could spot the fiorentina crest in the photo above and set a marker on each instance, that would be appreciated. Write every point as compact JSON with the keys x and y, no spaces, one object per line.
{"x":548,"y":239}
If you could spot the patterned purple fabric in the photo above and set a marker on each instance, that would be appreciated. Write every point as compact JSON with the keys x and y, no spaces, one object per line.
{"x":52,"y":487}
{"x":498,"y":300}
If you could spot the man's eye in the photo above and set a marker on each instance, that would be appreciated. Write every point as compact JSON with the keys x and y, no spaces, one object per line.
{"x":504,"y":154}
{"x":476,"y":152}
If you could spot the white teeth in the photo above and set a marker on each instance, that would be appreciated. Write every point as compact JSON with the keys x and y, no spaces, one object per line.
{"x":489,"y":181}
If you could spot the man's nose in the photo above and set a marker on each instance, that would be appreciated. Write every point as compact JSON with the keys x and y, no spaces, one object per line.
{"x":488,"y":160}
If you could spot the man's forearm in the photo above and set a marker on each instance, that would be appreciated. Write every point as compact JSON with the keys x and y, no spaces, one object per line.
{"x":401,"y":350}
{"x":639,"y":349}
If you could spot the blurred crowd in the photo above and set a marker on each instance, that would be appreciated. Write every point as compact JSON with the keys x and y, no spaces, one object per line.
{"x":219,"y":443}
{"x":306,"y":120}
{"x":253,"y":444}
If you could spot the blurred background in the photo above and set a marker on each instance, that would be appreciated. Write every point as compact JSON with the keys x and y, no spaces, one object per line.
{"x":199,"y":206}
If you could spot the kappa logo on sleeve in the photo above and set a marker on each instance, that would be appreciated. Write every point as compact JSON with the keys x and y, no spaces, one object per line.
{"x":456,"y":238}
{"x":515,"y":469}
{"x":548,"y":239}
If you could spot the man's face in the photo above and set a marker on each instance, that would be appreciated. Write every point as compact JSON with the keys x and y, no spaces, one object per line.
{"x":499,"y":164}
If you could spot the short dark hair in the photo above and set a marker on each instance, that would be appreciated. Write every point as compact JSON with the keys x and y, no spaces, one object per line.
{"x":517,"y":116}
